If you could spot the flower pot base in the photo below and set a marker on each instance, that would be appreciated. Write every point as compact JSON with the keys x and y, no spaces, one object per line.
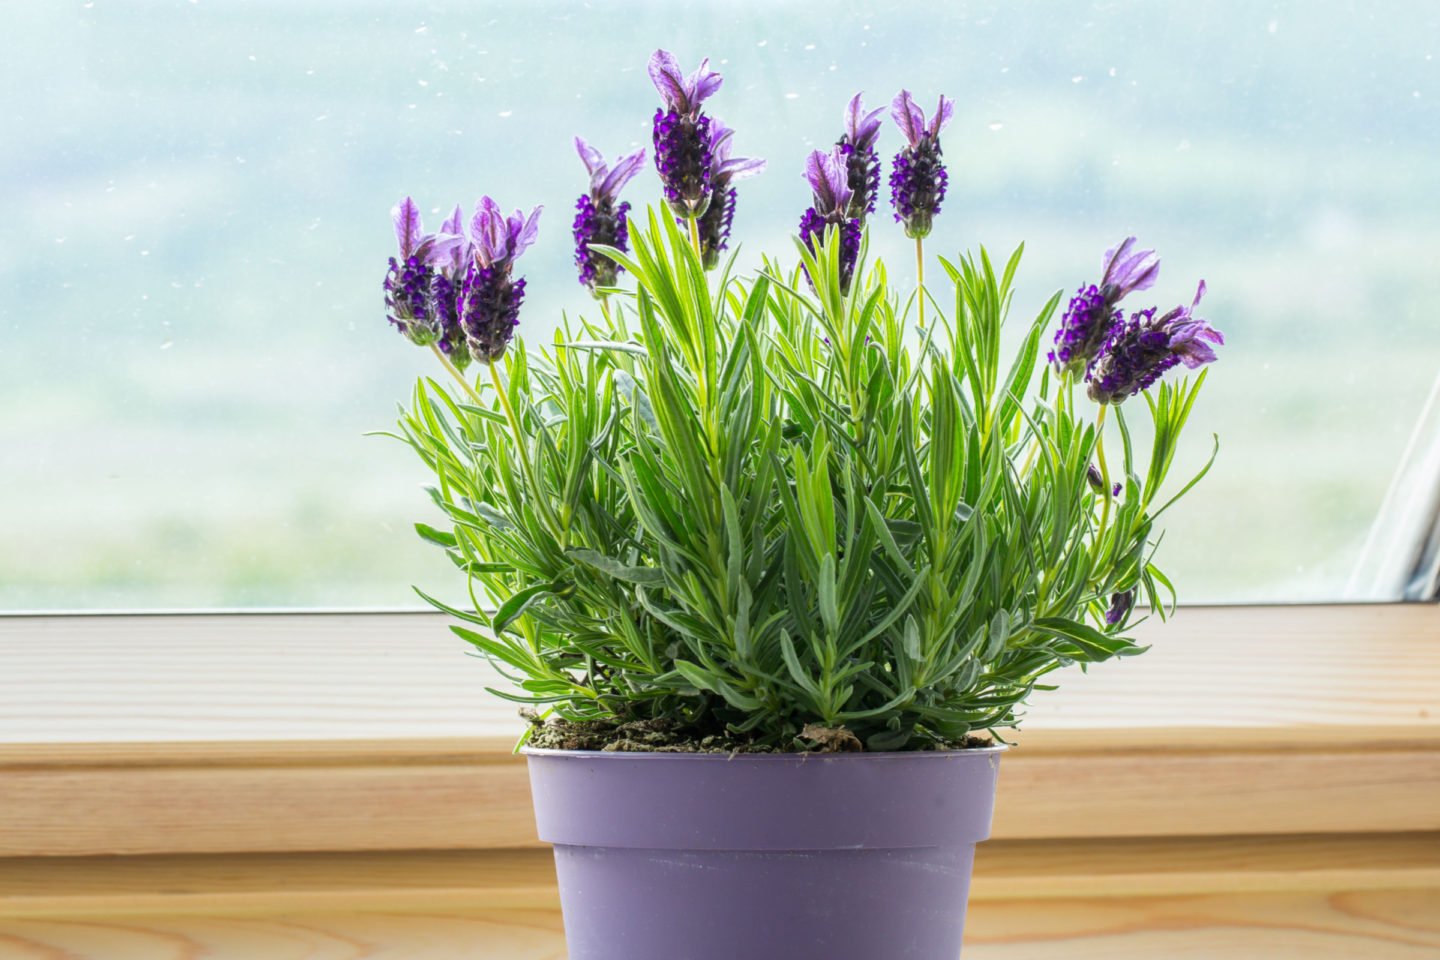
{"x":766,"y":857}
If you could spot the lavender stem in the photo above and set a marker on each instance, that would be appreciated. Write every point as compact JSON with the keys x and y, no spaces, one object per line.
{"x":695,"y":237}
{"x":459,"y":377}
{"x":1104,"y":476}
{"x":920,"y":277}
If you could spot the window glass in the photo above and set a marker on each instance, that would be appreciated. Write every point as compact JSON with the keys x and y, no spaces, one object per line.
{"x":192,"y":340}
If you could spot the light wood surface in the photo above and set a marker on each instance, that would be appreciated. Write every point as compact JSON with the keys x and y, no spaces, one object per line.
{"x":465,"y":794}
{"x":1263,"y":784}
{"x":1372,"y":897}
{"x":373,"y":676}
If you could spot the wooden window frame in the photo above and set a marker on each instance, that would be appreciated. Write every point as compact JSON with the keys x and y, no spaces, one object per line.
{"x":272,"y":733}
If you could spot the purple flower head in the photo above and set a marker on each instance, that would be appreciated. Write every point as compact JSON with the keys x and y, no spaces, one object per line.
{"x":917,"y":175}
{"x":606,"y":182}
{"x":450,"y":250}
{"x":1120,"y":604}
{"x":1128,"y":270}
{"x":862,"y":162}
{"x":1093,"y":311}
{"x":496,"y":239}
{"x":1140,"y":351}
{"x":682,"y":136}
{"x":714,"y":224}
{"x":409,"y":231}
{"x":911,"y":119}
{"x":451,"y":259}
{"x":409,"y":283}
{"x":829,"y":180}
{"x":598,"y":218}
{"x":680,"y":93}
{"x":489,"y":299}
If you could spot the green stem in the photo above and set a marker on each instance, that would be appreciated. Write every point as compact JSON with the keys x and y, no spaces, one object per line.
{"x":920,"y":277}
{"x":459,"y":377}
{"x":1104,"y":477}
{"x":694,"y":223}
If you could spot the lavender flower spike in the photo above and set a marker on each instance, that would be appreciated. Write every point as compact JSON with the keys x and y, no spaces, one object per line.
{"x":917,"y":175}
{"x":1093,"y":310}
{"x":490,"y":298}
{"x":598,"y":219}
{"x":829,"y":177}
{"x":451,"y":259}
{"x":1139,"y":352}
{"x":862,"y":162}
{"x":682,"y":136}
{"x":409,"y":283}
{"x":715,"y":222}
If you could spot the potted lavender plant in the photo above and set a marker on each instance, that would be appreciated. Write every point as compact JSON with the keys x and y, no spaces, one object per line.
{"x":774,"y":560}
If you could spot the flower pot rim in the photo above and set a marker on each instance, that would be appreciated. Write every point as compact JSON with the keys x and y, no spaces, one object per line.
{"x":844,"y":756}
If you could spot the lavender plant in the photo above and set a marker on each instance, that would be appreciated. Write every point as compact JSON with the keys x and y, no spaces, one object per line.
{"x":769,"y":505}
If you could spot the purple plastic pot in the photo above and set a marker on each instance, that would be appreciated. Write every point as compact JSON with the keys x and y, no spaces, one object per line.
{"x":849,"y":856}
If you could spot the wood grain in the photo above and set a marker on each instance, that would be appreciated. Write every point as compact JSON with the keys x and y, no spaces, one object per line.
{"x":383,"y":675}
{"x":459,"y":794}
{"x":1371,"y":897}
{"x":1241,"y":721}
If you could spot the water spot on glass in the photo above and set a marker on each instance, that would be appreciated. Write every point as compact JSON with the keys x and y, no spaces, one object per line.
{"x":809,"y":46}
{"x":422,"y":29}
{"x":792,"y":96}
{"x":252,"y":58}
{"x":1004,"y":69}
{"x":144,"y":253}
{"x":995,"y":125}
{"x":1078,"y":78}
{"x":59,"y":239}
{"x":167,"y":344}
{"x":409,"y":106}
{"x":128,"y":237}
{"x":1272,"y":27}
{"x":1415,"y":94}
{"x":423,"y":83}
{"x":1112,"y":71}
{"x":834,"y":67}
{"x":1182,"y":146}
{"x":762,"y":43}
{"x":506,"y":113}
{"x":323,"y":116}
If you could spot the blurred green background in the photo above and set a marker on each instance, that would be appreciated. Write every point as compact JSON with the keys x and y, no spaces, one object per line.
{"x":192,"y":338}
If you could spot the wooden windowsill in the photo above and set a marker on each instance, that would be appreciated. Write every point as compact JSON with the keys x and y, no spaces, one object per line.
{"x":1261,"y":784}
{"x":1240,"y":721}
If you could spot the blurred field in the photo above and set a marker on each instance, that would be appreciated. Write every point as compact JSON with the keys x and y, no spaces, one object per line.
{"x":192,"y":339}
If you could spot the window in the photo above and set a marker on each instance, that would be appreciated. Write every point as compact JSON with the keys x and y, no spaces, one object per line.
{"x":194,"y":342}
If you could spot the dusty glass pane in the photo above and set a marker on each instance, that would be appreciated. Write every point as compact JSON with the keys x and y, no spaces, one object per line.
{"x":192,"y":340}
